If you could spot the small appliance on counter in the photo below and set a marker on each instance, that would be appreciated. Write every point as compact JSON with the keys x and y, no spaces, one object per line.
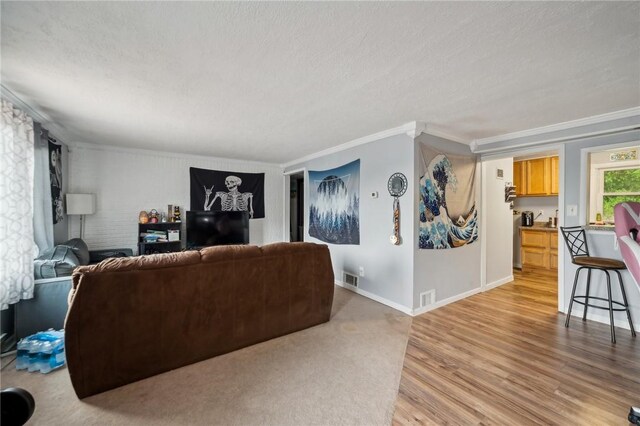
{"x":527,"y":218}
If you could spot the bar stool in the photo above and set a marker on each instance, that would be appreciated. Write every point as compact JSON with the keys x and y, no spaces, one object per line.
{"x":576,"y":240}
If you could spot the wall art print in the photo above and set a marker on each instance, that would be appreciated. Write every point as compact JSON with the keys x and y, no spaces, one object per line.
{"x":214,"y":190}
{"x":447,"y":207}
{"x":55,"y":177}
{"x":334,"y":204}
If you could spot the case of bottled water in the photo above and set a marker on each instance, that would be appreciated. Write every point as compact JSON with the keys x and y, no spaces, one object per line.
{"x":43,"y":351}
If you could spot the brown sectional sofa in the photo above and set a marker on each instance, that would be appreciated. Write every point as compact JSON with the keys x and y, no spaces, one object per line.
{"x":132,"y":318}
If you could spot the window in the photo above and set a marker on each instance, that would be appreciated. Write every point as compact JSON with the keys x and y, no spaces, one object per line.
{"x":614,"y":178}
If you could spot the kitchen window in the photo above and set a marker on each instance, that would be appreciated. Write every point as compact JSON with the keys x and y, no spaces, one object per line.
{"x":613,"y":182}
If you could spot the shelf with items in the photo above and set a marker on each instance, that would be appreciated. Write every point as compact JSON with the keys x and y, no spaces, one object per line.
{"x":161,"y":237}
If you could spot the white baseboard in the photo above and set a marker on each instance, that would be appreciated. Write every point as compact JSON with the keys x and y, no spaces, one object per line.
{"x":441,"y":303}
{"x":376,"y":298}
{"x":498,"y":283}
{"x":603,"y":318}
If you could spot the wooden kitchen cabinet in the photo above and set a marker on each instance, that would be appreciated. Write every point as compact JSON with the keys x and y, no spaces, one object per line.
{"x":539,"y":248}
{"x":553,"y":250}
{"x":519,"y":178}
{"x":537,"y":177}
{"x":555,"y":170}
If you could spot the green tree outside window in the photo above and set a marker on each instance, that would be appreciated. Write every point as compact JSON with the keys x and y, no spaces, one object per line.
{"x":619,"y":186}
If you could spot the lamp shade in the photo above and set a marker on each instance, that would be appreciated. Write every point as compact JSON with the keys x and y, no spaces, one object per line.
{"x":81,"y":203}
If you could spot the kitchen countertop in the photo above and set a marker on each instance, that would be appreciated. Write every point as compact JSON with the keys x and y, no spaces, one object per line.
{"x":610,"y":228}
{"x":539,"y":226}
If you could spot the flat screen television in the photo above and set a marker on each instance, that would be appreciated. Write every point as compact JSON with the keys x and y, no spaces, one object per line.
{"x":206,"y":228}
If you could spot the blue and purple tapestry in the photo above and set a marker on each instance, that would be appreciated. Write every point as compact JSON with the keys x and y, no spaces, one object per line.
{"x":447,"y":208}
{"x":334,"y":204}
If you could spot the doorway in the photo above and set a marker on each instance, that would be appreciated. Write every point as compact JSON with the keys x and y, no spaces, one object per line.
{"x":296,"y":207}
{"x":513,"y":249}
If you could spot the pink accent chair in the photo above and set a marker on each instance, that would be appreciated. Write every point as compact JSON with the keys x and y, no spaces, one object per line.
{"x":627,"y":221}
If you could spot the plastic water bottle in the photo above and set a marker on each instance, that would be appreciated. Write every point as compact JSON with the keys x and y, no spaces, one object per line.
{"x":34,"y":350}
{"x":44,"y":356}
{"x":22,"y":357}
{"x":51,"y":355}
{"x":58,"y":357}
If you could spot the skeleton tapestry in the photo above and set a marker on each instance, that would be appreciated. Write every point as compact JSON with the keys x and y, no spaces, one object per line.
{"x":213,"y":190}
{"x":55,"y":176}
{"x":334,"y":200}
{"x":447,"y":207}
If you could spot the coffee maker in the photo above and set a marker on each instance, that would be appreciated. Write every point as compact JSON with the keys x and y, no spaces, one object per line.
{"x":527,"y":218}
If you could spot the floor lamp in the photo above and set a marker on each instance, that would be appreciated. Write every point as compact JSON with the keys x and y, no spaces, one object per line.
{"x":81,"y":204}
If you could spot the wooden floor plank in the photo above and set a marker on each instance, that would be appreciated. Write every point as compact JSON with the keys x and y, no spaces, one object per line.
{"x":505,"y":357}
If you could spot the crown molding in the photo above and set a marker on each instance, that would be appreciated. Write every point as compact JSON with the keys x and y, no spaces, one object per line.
{"x":626,"y":113}
{"x":54,"y":129}
{"x":417,"y":129}
{"x":152,"y":152}
{"x":433,"y":129}
{"x":408,"y":129}
{"x":19,"y":103}
{"x":559,"y":140}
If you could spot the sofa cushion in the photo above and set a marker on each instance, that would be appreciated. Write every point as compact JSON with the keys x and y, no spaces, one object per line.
{"x":79,"y":248}
{"x":149,"y":261}
{"x":227,"y":253}
{"x":58,"y":261}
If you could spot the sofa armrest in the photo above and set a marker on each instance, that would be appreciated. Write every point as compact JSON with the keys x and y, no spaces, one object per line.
{"x":97,"y":256}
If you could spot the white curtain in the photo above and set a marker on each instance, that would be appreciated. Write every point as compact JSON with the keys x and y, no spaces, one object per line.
{"x":42,"y":211}
{"x":16,"y":206}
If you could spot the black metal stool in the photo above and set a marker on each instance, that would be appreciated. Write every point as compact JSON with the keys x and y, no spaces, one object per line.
{"x":576,"y":240}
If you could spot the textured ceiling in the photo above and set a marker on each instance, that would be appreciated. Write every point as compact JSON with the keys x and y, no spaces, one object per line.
{"x":277,"y":81}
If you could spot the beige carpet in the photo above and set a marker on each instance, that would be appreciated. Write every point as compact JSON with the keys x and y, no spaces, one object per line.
{"x":345,"y":372}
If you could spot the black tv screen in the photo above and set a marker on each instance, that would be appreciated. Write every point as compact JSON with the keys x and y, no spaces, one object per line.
{"x":205,"y":228}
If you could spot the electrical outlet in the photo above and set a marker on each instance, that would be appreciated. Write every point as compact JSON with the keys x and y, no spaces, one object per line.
{"x":361,"y":271}
{"x":540,"y":212}
{"x":572,"y":210}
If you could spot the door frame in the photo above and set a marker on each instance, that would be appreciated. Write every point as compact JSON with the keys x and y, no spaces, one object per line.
{"x":560,"y":149}
{"x":286,"y":220}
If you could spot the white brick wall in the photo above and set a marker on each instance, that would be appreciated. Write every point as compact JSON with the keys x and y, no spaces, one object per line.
{"x":127,"y":181}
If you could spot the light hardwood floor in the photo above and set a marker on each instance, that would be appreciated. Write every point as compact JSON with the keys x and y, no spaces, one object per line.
{"x":505,"y":357}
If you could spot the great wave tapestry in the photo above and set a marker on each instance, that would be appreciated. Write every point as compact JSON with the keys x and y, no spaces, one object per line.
{"x":334,"y":200}
{"x":447,"y":207}
{"x":215,"y":190}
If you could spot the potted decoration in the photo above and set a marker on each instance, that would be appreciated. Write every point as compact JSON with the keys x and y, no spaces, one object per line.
{"x":143,"y":217}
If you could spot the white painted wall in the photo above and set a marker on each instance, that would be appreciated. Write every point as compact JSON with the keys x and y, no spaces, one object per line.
{"x":127,"y":181}
{"x":548,"y":205}
{"x":451,"y":273}
{"x":388,"y":268}
{"x":498,"y":222}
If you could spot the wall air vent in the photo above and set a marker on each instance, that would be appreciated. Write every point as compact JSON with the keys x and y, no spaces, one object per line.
{"x":427,"y":298}
{"x":350,"y":279}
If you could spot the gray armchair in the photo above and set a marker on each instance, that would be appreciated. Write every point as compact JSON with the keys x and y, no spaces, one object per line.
{"x":48,"y":307}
